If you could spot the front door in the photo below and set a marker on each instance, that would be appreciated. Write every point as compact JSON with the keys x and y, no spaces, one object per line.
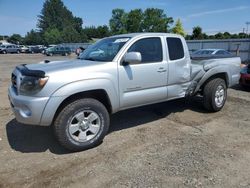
{"x":146,"y":82}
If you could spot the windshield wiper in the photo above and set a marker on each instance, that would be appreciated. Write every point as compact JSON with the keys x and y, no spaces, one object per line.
{"x":90,"y":59}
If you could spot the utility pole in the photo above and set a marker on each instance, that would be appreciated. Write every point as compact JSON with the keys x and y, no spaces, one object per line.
{"x":247,"y":23}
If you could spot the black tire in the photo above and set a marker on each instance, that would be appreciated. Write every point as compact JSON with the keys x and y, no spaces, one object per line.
{"x":4,"y":52}
{"x":209,"y":94}
{"x":18,"y":51}
{"x":62,"y":123}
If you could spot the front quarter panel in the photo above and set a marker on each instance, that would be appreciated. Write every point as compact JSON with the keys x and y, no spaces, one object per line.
{"x":76,"y":87}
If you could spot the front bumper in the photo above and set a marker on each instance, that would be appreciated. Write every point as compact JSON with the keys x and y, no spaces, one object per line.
{"x":27,"y":110}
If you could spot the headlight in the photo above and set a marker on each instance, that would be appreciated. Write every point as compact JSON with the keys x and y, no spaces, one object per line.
{"x":31,"y":85}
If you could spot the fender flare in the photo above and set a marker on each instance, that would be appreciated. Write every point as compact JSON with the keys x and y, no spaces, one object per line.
{"x":213,"y":72}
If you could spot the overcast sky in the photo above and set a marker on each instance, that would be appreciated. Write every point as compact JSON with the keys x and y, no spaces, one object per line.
{"x":20,"y":16}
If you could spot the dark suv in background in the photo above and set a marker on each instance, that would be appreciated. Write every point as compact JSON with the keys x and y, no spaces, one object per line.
{"x":58,"y":50}
{"x":9,"y":48}
{"x":34,"y":49}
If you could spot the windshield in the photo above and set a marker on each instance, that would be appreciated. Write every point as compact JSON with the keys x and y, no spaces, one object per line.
{"x":104,"y":50}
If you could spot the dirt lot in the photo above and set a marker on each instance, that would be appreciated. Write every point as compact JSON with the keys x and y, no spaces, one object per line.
{"x":172,"y":144}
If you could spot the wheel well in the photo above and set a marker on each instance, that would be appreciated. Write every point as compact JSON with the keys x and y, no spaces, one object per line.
{"x":219,"y":75}
{"x":99,"y":95}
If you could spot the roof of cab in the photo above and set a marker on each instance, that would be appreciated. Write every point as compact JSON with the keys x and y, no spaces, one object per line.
{"x":131,"y":35}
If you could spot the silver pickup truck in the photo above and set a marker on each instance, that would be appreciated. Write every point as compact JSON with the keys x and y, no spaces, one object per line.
{"x":77,"y":96}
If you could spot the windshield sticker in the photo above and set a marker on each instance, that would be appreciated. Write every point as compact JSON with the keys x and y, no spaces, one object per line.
{"x":121,"y":40}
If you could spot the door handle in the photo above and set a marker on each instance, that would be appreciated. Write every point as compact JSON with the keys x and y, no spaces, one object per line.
{"x":161,"y":70}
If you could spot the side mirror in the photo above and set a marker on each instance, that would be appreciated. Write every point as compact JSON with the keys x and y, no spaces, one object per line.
{"x":132,"y":58}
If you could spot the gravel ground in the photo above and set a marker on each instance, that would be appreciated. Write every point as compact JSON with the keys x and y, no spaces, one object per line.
{"x":172,"y":144}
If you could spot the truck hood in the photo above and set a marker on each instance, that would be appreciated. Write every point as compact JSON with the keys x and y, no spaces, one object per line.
{"x":58,"y":66}
{"x":62,"y":73}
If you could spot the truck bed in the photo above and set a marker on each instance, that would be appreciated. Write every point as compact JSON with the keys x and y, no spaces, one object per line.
{"x":200,"y":67}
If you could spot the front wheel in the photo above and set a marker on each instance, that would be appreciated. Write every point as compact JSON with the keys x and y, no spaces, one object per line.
{"x":82,"y":124}
{"x":215,"y":94}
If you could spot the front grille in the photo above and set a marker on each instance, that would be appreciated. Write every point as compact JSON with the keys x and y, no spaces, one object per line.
{"x":14,"y":80}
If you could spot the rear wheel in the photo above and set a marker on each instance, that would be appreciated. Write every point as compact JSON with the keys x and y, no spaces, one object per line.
{"x":5,"y":52}
{"x":215,"y":94}
{"x":82,"y":124}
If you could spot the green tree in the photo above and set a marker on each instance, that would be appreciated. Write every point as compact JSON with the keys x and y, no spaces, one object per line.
{"x":118,"y":21}
{"x":188,"y":37}
{"x":70,"y":34}
{"x":242,"y":35}
{"x":16,"y":39}
{"x":57,"y":20}
{"x":3,"y":37}
{"x":155,"y":20}
{"x":227,"y":35}
{"x":96,"y":32}
{"x":53,"y":36}
{"x":219,"y":36}
{"x":197,"y":33}
{"x":33,"y":38}
{"x":178,"y":28}
{"x":134,"y":21}
{"x":55,"y":14}
{"x":103,"y":31}
{"x":90,"y":32}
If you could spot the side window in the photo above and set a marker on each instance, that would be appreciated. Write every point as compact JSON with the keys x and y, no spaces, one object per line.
{"x":222,"y":52}
{"x":175,"y":48}
{"x":150,"y":49}
{"x":219,"y":52}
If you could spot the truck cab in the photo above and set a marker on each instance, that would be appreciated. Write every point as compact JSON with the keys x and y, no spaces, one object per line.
{"x":149,"y":80}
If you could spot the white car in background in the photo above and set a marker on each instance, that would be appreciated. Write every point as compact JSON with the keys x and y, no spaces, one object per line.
{"x":23,"y":48}
{"x":211,"y":53}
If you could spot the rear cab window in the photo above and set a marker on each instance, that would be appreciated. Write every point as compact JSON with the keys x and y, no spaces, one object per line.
{"x":175,"y":48}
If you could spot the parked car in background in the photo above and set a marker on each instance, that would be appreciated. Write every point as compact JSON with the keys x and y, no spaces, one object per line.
{"x":58,"y":50}
{"x":34,"y":49}
{"x":245,"y":76}
{"x":46,"y":47}
{"x":42,"y":48}
{"x":9,"y":49}
{"x":23,"y":48}
{"x":211,"y":53}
